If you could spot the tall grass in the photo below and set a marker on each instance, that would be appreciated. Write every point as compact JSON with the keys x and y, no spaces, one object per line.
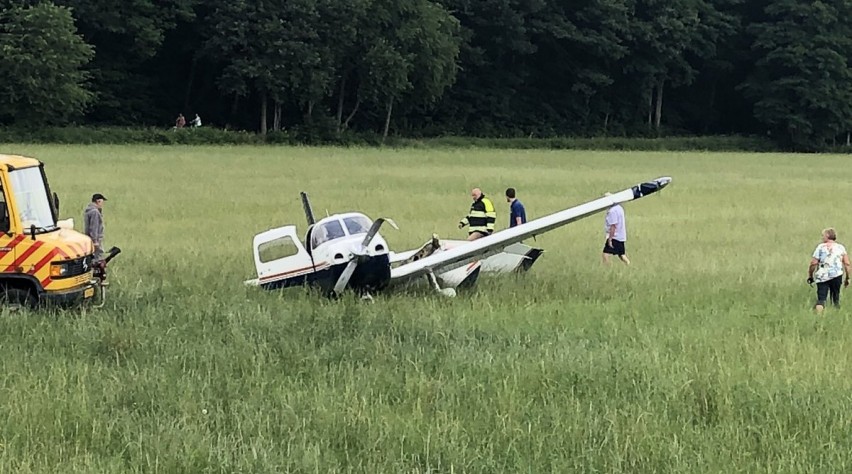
{"x":703,"y":356}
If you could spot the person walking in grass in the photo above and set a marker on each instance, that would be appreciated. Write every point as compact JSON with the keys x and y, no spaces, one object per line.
{"x":481,"y":217}
{"x":829,"y":263}
{"x":517,"y":213}
{"x":615,"y":228}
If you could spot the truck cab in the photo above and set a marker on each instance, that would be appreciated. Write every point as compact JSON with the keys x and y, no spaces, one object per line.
{"x":39,"y":261}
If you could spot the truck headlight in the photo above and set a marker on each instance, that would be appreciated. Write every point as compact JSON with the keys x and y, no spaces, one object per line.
{"x":59,"y":270}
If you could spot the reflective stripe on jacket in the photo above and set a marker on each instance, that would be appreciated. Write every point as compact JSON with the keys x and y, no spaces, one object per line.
{"x":481,"y":217}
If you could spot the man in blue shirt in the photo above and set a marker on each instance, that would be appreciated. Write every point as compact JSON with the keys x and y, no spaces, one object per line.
{"x":518,"y":214}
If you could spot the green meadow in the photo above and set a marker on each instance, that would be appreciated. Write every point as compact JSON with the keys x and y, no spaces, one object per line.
{"x":702,"y":356}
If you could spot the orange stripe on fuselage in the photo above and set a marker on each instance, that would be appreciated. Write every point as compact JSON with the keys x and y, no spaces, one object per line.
{"x":318,"y":267}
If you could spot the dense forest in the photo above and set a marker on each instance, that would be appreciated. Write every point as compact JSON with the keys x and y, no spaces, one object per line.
{"x":778,"y":68}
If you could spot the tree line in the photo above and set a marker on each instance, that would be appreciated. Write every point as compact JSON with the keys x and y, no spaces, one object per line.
{"x":436,"y":67}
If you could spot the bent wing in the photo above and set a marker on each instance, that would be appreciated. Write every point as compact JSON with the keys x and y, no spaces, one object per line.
{"x":496,"y":242}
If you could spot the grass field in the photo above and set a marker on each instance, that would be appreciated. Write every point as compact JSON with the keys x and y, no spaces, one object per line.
{"x":703,"y":356}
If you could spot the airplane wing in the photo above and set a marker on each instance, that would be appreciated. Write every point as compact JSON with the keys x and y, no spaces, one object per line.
{"x":396,"y":257}
{"x":496,"y":242}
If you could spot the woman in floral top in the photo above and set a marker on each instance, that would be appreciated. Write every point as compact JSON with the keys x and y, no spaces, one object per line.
{"x":827,"y":268}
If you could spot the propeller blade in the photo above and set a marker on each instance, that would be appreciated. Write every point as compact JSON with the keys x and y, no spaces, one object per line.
{"x":343,"y":280}
{"x":374,"y":229}
{"x":309,"y":211}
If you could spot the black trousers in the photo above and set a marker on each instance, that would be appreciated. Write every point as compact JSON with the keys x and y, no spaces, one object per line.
{"x":831,"y":287}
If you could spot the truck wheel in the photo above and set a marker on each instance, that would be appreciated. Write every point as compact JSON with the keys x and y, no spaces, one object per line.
{"x":17,"y":298}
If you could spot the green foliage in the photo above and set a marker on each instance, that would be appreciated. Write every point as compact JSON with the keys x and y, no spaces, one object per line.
{"x":127,"y":35}
{"x":118,"y":135}
{"x":802,"y":83}
{"x":324,"y":132}
{"x":41,"y":57}
{"x":495,"y":68}
{"x":711,"y":143}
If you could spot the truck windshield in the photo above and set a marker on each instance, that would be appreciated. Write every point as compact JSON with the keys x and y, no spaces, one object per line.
{"x":31,"y":199}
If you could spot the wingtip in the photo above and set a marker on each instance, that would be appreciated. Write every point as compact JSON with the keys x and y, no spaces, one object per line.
{"x":651,"y":187}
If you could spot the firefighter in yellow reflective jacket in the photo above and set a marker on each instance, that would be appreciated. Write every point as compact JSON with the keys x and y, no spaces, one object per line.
{"x":481,"y":218}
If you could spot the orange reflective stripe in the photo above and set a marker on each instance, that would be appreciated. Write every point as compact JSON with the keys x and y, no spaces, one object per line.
{"x":44,"y":261}
{"x":14,"y":242}
{"x":35,"y":246}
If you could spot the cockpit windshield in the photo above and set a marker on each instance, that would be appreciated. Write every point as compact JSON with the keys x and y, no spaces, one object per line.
{"x":357,"y":224}
{"x":328,"y":231}
{"x":31,"y":199}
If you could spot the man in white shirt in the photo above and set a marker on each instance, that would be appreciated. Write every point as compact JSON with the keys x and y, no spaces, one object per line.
{"x":615,"y":228}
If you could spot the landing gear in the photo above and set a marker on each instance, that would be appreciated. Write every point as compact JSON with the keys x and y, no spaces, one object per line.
{"x":450,"y":292}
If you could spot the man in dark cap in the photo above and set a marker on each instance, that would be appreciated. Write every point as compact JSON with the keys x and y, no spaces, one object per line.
{"x":93,"y":222}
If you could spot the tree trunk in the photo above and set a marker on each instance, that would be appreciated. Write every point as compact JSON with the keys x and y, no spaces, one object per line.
{"x":340,"y":102}
{"x":387,"y":120}
{"x":189,"y":83}
{"x":276,"y":117}
{"x":848,"y":136}
{"x":658,"y":113}
{"x":234,"y":105}
{"x":263,"y":106}
{"x":606,"y":122}
{"x":650,"y":107}
{"x":710,"y":106}
{"x":310,"y":113}
{"x":351,"y":114}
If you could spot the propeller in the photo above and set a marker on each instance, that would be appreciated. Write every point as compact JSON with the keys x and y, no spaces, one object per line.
{"x":359,"y":253}
{"x":309,"y":211}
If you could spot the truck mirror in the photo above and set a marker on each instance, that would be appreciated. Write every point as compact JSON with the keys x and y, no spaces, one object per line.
{"x":56,"y":204}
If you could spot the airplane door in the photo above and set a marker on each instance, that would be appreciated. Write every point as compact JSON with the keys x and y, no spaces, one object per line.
{"x":279,"y":252}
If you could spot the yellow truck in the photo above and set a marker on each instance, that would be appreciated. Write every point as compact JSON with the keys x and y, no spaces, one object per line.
{"x":40,"y":261}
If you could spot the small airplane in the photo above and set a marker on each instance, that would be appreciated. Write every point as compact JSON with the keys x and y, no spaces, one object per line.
{"x":346,"y":251}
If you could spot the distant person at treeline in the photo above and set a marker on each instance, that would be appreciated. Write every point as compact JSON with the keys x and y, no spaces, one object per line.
{"x":196,"y":122}
{"x":828,"y":263}
{"x":180,"y":122}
